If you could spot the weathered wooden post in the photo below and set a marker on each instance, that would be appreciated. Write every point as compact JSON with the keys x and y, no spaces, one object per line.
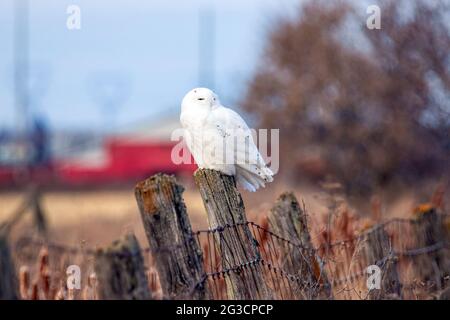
{"x":8,"y":279}
{"x":444,"y":295}
{"x":225,"y":209}
{"x":288,"y":220}
{"x":177,"y":254}
{"x":432,"y":235}
{"x":120,"y":271}
{"x":374,"y":248}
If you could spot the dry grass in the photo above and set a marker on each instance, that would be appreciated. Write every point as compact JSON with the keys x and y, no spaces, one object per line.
{"x":77,"y":216}
{"x":93,"y":218}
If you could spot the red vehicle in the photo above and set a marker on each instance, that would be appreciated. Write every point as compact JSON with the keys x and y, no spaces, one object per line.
{"x":122,"y":159}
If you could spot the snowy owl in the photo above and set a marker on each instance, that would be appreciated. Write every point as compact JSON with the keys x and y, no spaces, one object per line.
{"x":219,"y":139}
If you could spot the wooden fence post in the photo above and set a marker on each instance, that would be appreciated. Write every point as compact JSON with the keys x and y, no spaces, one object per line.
{"x":374,"y":248}
{"x":431,"y":232}
{"x":444,"y":295}
{"x":225,"y":209}
{"x":8,"y":278}
{"x":177,"y":253}
{"x":39,"y":218}
{"x":288,"y":220}
{"x":120,"y":271}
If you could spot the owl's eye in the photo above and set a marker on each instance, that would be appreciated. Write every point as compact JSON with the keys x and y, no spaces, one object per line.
{"x":200,"y":98}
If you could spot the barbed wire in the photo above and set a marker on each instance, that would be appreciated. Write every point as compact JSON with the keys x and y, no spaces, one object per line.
{"x":284,"y":277}
{"x":25,"y":240}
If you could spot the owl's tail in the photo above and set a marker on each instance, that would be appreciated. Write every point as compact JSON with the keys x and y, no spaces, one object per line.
{"x":252,"y":177}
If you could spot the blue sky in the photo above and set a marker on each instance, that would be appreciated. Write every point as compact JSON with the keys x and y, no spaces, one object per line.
{"x":153,"y":45}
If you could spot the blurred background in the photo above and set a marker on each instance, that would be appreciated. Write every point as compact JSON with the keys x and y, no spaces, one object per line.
{"x":85,"y":113}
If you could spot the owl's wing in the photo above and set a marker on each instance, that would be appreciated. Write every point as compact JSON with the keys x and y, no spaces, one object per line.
{"x":237,"y":135}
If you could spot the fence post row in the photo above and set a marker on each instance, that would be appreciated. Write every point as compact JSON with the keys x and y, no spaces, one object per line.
{"x":177,"y":253}
{"x":8,"y":279}
{"x":121,"y":272}
{"x":225,"y":208}
{"x":374,"y":248}
{"x":288,"y":220}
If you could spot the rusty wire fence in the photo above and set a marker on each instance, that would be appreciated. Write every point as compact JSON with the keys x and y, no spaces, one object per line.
{"x":413,"y":256}
{"x":234,"y":258}
{"x":414,"y":264}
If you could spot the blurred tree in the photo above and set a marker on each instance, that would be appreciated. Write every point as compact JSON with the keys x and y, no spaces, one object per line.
{"x":368,"y":112}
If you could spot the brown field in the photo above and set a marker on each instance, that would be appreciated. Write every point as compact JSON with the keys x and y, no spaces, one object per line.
{"x":96,"y":218}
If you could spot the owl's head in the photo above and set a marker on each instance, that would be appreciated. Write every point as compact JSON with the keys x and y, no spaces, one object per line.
{"x":201,"y":97}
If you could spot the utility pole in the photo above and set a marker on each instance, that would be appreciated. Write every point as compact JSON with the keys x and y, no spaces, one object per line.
{"x":21,"y":63}
{"x":206,"y":47}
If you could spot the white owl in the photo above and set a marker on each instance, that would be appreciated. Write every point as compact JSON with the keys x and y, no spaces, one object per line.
{"x":219,"y":139}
